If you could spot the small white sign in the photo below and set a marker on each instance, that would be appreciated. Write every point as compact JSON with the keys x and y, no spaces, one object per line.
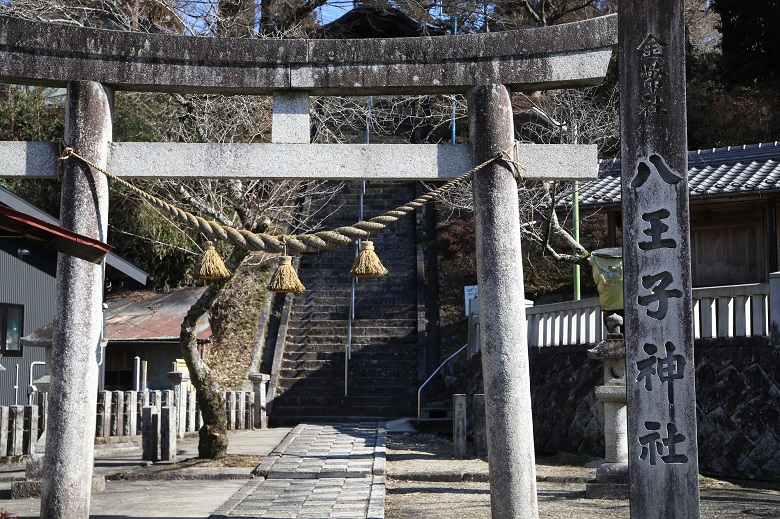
{"x":470,"y":292}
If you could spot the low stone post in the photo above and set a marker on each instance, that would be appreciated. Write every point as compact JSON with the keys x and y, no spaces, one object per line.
{"x":230,"y":398}
{"x":118,"y":413}
{"x":131,"y":413}
{"x":460,"y":446}
{"x":30,"y":429}
{"x":150,"y":433}
{"x":612,"y":475}
{"x":16,"y":436}
{"x":168,"y":433}
{"x":4,"y":422}
{"x":259,"y":385}
{"x":480,"y":433}
{"x":179,"y":379}
{"x":192,"y":405}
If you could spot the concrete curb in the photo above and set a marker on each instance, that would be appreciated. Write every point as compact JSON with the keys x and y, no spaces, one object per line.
{"x":174,"y":476}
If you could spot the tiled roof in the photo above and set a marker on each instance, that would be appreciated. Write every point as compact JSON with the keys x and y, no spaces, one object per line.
{"x":734,"y":170}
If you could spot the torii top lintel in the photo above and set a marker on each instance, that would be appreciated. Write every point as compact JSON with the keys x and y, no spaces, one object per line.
{"x":540,"y":58}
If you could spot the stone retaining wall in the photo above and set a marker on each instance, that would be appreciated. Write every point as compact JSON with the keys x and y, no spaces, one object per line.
{"x":567,"y":416}
{"x":738,"y":405}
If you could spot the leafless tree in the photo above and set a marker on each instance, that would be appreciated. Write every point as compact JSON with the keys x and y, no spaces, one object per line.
{"x":584,"y":116}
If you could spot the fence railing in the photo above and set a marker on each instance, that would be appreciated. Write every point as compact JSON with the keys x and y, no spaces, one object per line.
{"x":731,"y":311}
{"x":725,"y":311}
{"x":561,"y":324}
{"x":119,"y":412}
{"x":20,"y":428}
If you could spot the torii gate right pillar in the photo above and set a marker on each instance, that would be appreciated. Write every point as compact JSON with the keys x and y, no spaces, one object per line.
{"x":502,"y":306}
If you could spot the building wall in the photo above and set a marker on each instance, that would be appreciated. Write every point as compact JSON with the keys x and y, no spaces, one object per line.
{"x":28,"y":282}
{"x":729,"y":243}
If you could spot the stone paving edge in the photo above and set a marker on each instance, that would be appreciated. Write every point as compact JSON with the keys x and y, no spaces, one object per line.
{"x":457,"y":476}
{"x":380,"y":450}
{"x":242,"y":493}
{"x":376,"y":500}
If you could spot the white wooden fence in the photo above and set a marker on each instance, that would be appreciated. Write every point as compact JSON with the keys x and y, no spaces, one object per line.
{"x":561,"y":324}
{"x":726,"y":311}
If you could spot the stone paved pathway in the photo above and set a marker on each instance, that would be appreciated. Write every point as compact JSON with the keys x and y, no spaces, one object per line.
{"x":317,"y":471}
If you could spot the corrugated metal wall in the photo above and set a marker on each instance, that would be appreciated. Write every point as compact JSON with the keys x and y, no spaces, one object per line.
{"x":28,"y":282}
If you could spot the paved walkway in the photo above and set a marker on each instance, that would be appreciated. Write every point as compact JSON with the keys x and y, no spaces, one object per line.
{"x":317,"y":471}
{"x":338,"y":471}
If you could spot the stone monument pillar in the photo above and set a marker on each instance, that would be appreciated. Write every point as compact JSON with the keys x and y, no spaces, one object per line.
{"x":612,"y":475}
{"x":663,"y":459}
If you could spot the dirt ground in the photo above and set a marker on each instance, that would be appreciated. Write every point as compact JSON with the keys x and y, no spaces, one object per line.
{"x":409,"y":456}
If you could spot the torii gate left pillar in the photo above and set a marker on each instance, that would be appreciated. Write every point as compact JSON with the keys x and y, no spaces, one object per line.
{"x":77,"y":320}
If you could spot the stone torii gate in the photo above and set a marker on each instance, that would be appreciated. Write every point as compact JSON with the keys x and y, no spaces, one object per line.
{"x":94,"y":63}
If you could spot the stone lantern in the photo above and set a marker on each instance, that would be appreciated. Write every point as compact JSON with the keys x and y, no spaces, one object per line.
{"x":612,"y":475}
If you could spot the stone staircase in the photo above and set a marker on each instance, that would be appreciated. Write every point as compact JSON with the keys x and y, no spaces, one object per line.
{"x":382,"y":377}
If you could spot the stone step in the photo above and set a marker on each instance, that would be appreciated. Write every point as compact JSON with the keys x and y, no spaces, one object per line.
{"x":361,"y":324}
{"x":314,"y":413}
{"x":360,"y":352}
{"x":292,"y":421}
{"x":351,"y":401}
{"x":339,"y":314}
{"x":300,"y":340}
{"x":356,"y":364}
{"x":380,"y":334}
{"x":334,"y":370}
{"x":298,"y":390}
{"x":337,"y":380}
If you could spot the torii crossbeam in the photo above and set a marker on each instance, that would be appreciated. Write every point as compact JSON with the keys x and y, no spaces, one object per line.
{"x":92,"y":63}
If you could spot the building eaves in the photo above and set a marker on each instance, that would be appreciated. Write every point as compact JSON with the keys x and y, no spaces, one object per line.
{"x":18,"y":203}
{"x":730,"y":171}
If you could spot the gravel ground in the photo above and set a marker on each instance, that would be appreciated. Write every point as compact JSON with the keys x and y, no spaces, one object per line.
{"x":409,"y":456}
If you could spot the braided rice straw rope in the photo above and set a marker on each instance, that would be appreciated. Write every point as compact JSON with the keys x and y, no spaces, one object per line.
{"x":298,"y":243}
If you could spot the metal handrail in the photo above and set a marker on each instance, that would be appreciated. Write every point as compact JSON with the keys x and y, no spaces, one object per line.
{"x":348,"y":352}
{"x":419,"y":391}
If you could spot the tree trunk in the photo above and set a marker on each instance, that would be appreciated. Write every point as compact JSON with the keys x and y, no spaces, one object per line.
{"x":213,"y":441}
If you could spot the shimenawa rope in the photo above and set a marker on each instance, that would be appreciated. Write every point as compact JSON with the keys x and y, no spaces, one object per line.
{"x":298,"y":243}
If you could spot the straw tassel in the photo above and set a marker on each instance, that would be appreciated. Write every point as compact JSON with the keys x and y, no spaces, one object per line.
{"x":211,"y":265}
{"x":285,"y":279}
{"x":367,"y":264}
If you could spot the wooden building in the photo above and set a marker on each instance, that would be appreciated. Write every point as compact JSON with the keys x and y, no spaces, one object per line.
{"x":734,"y":195}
